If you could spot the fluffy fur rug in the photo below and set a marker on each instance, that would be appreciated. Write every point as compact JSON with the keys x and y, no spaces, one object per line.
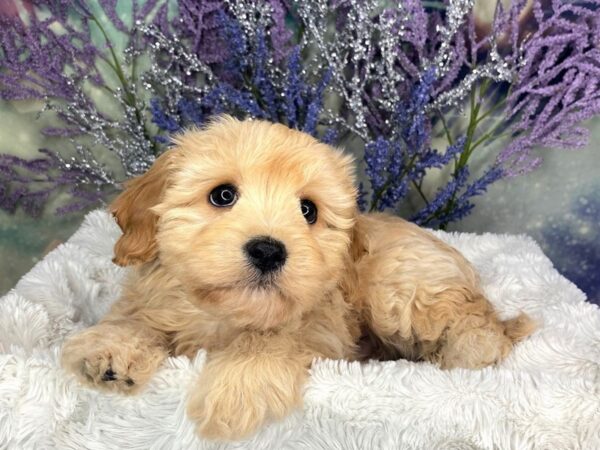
{"x":546,"y":395}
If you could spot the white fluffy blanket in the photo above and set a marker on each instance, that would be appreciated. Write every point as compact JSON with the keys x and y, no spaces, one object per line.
{"x":546,"y":395}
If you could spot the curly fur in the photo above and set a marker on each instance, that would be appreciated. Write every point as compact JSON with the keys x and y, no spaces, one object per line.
{"x":353,"y":287}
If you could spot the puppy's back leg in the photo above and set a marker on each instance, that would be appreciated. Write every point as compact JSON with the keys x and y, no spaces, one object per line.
{"x":422,"y":297}
{"x":454,"y":328}
{"x":478,"y":340}
{"x":118,"y":355}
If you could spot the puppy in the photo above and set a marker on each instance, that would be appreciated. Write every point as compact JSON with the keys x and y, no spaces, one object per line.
{"x":247,"y":243}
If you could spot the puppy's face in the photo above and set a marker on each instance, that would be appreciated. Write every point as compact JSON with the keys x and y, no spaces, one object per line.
{"x":253,"y":218}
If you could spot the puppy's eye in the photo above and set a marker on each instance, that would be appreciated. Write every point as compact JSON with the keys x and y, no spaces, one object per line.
{"x":309,"y":210}
{"x":223,"y":195}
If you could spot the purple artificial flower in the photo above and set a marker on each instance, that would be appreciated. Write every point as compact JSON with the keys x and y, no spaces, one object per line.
{"x":315,"y":104}
{"x":442,"y":198}
{"x":431,"y":158}
{"x":463,"y":204}
{"x":377,"y":154}
{"x":140,"y":10}
{"x":261,"y":79}
{"x":393,"y":164}
{"x":412,"y":119}
{"x":29,"y":183}
{"x":199,"y":24}
{"x":236,"y":49}
{"x":190,"y":111}
{"x":37,"y":63}
{"x":279,"y":32}
{"x":558,"y":85}
{"x":293,"y":99}
{"x":161,"y":119}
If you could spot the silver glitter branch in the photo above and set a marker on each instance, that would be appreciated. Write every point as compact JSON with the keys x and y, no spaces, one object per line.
{"x":495,"y":70}
{"x":389,"y":76}
{"x":174,"y":70}
{"x":455,"y":18}
{"x":328,"y":53}
{"x":360,"y":54}
{"x":251,"y":15}
{"x":122,"y":137}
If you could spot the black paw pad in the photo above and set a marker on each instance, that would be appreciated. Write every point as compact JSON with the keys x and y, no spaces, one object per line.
{"x":109,"y":375}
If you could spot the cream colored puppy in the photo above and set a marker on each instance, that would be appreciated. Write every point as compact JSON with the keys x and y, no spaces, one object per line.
{"x":247,"y":243}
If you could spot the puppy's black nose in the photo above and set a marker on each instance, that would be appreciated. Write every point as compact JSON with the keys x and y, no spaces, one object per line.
{"x":265,"y":253}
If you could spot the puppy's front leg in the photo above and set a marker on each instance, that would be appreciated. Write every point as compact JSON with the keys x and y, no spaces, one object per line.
{"x":257,"y":378}
{"x":115,"y":355}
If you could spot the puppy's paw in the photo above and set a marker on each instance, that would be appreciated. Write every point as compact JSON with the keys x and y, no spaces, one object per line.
{"x":226,"y":414}
{"x":112,"y":358}
{"x":474,"y":348}
{"x":232,"y":402}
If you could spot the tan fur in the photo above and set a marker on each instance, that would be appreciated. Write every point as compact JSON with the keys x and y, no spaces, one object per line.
{"x":352,"y":287}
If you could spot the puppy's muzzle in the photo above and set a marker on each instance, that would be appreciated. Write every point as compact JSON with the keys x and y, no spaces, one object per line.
{"x":266,"y":254}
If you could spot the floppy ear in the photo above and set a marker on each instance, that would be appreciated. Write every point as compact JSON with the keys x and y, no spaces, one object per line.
{"x":132,"y":211}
